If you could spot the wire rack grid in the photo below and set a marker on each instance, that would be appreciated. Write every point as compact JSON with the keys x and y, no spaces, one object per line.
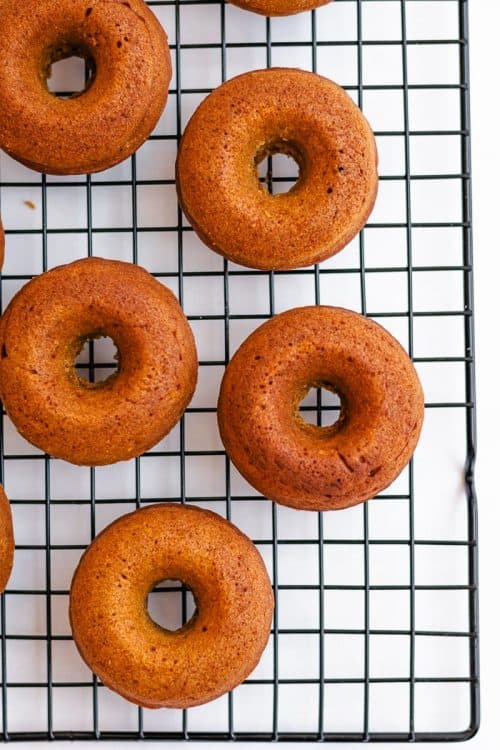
{"x":375,"y":635}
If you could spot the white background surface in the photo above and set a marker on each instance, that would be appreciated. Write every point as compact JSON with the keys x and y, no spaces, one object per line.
{"x":485,"y":22}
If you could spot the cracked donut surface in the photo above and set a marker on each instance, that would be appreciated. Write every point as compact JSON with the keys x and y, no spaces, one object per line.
{"x":127,"y":57}
{"x":133,"y":655}
{"x":256,"y":115}
{"x":42,"y":332}
{"x":302,"y":465}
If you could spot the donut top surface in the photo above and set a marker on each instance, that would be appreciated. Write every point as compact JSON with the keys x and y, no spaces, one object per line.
{"x":254,"y":116}
{"x":302,"y":465}
{"x":127,"y":50}
{"x":44,"y":328}
{"x":133,"y":655}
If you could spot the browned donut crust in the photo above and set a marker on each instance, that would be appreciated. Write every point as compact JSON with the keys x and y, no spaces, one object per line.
{"x":6,"y":540}
{"x":145,"y":663}
{"x":44,"y":328}
{"x":125,"y":46}
{"x":302,"y":465}
{"x":2,"y":245}
{"x":262,"y":113}
{"x":279,"y":7}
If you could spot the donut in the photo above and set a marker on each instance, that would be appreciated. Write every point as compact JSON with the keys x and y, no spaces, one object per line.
{"x":6,"y":540}
{"x":2,"y":245}
{"x":45,"y":327}
{"x":279,"y":7}
{"x":302,"y":465}
{"x":143,"y":662}
{"x":256,"y":115}
{"x":127,"y":52}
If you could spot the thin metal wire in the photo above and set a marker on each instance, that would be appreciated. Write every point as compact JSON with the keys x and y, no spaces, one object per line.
{"x":470,"y":387}
{"x":231,"y":501}
{"x":409,"y":250}
{"x":366,"y":520}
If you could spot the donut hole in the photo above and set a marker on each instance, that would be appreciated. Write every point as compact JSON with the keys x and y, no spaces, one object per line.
{"x":69,"y":71}
{"x":278,"y":167}
{"x":171,"y":605}
{"x":321,"y":407}
{"x":98,"y":359}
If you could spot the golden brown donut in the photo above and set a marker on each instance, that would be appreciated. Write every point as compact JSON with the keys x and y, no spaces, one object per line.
{"x":309,"y":467}
{"x":279,"y":7}
{"x":254,"y":116}
{"x":123,"y":44}
{"x":2,"y":245}
{"x":6,"y":540}
{"x":44,"y":328}
{"x":145,"y":663}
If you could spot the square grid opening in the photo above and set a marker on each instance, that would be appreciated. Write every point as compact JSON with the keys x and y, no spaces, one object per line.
{"x":375,"y":629}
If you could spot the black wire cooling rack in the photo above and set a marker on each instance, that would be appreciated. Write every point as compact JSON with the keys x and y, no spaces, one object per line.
{"x":297,"y":695}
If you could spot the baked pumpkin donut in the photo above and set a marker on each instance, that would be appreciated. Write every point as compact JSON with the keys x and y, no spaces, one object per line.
{"x":279,"y":7}
{"x":251,"y":117}
{"x":302,"y":465}
{"x":127,"y":52}
{"x":45,"y":327}
{"x":6,"y":540}
{"x":143,"y":662}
